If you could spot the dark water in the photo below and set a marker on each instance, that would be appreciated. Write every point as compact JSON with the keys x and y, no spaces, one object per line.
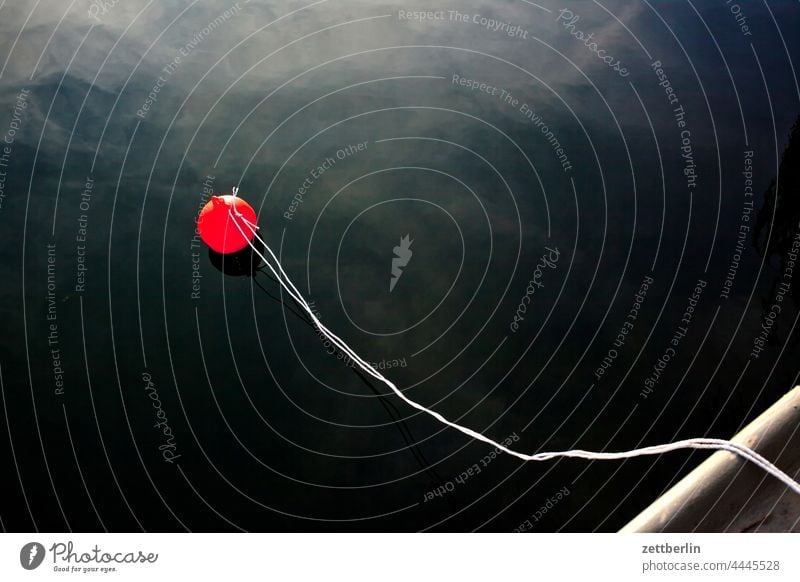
{"x":598,"y":252}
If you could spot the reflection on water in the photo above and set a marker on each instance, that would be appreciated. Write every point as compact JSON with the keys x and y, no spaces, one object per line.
{"x":777,"y":235}
{"x":351,"y":127}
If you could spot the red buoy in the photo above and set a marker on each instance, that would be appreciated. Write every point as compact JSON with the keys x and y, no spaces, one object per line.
{"x":223,"y":224}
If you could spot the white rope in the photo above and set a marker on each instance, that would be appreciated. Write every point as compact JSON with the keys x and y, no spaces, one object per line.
{"x":693,"y":443}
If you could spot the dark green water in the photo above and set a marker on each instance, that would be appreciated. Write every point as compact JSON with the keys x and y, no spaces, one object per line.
{"x":598,"y":252}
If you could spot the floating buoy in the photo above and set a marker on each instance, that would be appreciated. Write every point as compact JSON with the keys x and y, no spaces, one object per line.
{"x":227,"y":224}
